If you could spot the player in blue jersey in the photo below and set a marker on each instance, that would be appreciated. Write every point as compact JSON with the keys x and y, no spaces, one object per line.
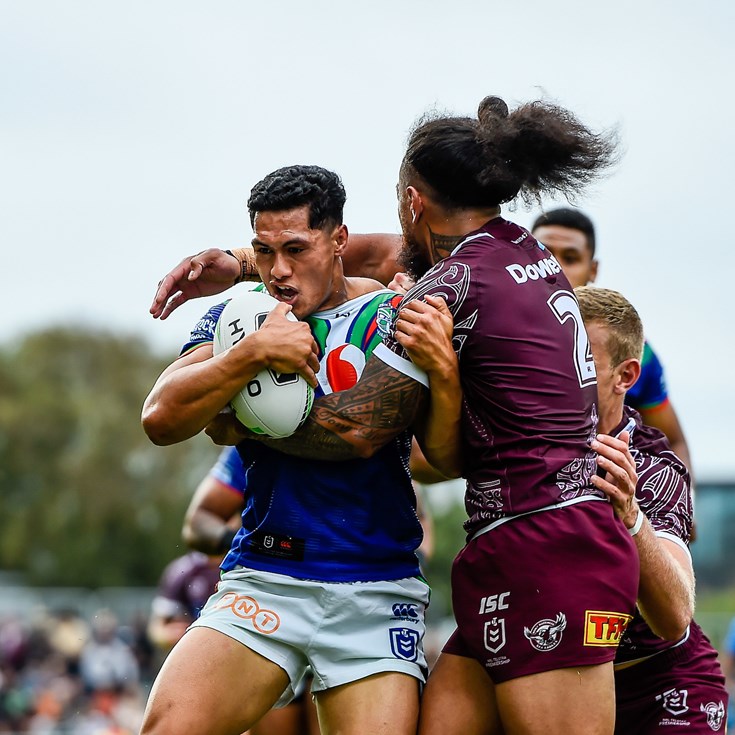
{"x":323,"y":571}
{"x":208,"y":527}
{"x":570,"y":235}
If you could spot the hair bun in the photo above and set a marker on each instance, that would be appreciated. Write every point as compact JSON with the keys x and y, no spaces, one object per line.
{"x":490,"y":109}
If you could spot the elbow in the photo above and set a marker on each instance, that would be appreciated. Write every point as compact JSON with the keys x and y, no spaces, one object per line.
{"x":675,"y":625}
{"x":158,"y":428}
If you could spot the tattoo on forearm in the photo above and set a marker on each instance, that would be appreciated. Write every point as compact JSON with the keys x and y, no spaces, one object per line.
{"x":442,"y":245}
{"x":344,"y":425}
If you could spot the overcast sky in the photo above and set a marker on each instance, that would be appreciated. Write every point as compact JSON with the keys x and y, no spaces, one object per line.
{"x":131,"y":133}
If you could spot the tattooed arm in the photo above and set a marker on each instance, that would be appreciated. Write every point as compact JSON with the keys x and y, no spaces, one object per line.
{"x":359,"y":421}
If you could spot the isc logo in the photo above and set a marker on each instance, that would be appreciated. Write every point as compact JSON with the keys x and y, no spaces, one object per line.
{"x":604,"y":628}
{"x":491,"y":603}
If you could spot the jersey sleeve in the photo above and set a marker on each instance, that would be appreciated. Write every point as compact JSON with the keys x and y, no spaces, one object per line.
{"x":447,"y":279}
{"x":650,"y":390}
{"x":203,"y":331}
{"x":229,"y":470}
{"x":664,"y":495}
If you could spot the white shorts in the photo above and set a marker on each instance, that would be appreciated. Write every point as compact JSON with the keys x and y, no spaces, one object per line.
{"x":345,"y":631}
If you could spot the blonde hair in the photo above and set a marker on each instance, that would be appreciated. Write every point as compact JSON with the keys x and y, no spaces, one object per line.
{"x":614,"y":311}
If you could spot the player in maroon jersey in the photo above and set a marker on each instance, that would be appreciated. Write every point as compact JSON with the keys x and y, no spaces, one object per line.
{"x":666,"y":670}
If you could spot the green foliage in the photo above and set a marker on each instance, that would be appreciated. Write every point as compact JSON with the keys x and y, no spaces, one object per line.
{"x":85,"y":498}
{"x":449,"y":538}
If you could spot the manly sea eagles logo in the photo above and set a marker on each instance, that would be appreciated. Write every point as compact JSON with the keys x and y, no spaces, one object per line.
{"x":546,"y":634}
{"x":715,"y":712}
{"x":404,"y":643}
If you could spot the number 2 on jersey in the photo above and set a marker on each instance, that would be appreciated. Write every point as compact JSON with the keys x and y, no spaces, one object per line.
{"x":565,"y":307}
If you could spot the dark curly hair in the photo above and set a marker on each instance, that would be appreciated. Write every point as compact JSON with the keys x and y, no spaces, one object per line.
{"x":294,"y":186}
{"x":537,"y":149}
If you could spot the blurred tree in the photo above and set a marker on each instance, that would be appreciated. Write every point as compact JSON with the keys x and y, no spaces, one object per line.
{"x":85,"y":498}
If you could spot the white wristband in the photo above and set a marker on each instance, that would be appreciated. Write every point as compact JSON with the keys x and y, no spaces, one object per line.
{"x":633,"y":530}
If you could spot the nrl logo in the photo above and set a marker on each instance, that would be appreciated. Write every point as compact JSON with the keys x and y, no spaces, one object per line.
{"x":495,"y":635}
{"x":546,"y":634}
{"x":715,"y":712}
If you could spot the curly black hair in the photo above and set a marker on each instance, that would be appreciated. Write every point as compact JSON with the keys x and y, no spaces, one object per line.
{"x":294,"y":186}
{"x":536,"y":149}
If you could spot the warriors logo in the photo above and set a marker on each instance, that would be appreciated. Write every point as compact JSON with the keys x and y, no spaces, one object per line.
{"x":546,"y":634}
{"x":715,"y":712}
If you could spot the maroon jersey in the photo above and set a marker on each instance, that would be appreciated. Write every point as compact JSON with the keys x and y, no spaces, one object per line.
{"x":663,"y":494}
{"x":185,"y":585}
{"x":528,"y":377}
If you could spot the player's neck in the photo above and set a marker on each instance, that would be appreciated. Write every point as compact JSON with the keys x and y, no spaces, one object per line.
{"x":610,"y":417}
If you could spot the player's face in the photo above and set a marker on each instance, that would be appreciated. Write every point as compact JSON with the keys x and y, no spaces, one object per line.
{"x":607,"y":377}
{"x":569,"y":247}
{"x":298,"y":265}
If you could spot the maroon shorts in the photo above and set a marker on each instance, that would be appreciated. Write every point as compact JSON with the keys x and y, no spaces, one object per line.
{"x":545,"y":591}
{"x":681,"y":689}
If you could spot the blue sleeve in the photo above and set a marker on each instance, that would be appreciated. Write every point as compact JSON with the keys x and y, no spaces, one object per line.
{"x":203,"y":332}
{"x":229,"y":470}
{"x":728,"y":644}
{"x":650,"y":390}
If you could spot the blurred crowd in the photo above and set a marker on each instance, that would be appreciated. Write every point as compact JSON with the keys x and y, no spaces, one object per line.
{"x":61,"y":673}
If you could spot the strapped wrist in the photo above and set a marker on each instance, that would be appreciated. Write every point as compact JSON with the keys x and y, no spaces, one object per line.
{"x":246,"y":258}
{"x":633,"y":530}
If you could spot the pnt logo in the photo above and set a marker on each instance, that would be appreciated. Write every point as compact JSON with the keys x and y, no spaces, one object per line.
{"x":603,"y":628}
{"x":247,"y":608}
{"x":491,"y":603}
{"x":674,"y":701}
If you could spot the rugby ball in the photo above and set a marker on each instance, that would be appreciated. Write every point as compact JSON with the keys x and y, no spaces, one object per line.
{"x":272,"y":403}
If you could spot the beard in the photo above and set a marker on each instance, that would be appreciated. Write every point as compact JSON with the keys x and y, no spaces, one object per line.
{"x":412,"y":256}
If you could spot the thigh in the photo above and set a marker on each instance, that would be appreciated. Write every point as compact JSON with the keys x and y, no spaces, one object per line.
{"x":286,"y":720}
{"x":382,"y":704}
{"x":459,"y":699}
{"x":572,"y":701}
{"x":211,"y":685}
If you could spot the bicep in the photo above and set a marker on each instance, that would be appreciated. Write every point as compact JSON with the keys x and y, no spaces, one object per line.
{"x":681,"y":558}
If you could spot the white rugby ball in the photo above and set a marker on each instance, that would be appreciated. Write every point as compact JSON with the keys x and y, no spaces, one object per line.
{"x":272,"y":403}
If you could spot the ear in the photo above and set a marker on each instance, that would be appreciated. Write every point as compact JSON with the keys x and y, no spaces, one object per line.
{"x":415,"y":203}
{"x":627,"y":373}
{"x":340,"y":237}
{"x":593,"y":271}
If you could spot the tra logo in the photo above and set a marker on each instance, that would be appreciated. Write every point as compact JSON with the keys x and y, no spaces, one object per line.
{"x":715,"y":712}
{"x":494,"y":635}
{"x":604,"y":628}
{"x":405,"y":610}
{"x":247,"y":608}
{"x":674,"y":701}
{"x":491,"y":603}
{"x":404,"y":643}
{"x":546,"y":634}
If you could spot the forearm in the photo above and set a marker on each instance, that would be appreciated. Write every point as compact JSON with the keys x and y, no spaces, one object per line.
{"x":357,"y":422}
{"x":184,"y":400}
{"x":207,"y":532}
{"x":666,"y":592}
{"x":439,"y":435}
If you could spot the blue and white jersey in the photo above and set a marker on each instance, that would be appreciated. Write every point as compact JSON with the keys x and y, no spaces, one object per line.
{"x":228,"y":470}
{"x":351,"y":521}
